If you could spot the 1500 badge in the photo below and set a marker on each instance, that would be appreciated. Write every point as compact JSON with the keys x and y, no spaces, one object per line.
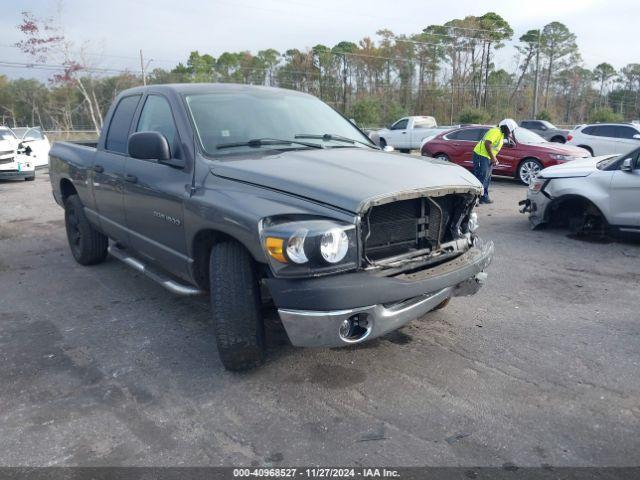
{"x":167,"y":218}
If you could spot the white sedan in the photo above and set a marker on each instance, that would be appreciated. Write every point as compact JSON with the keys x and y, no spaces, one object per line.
{"x":595,"y":195}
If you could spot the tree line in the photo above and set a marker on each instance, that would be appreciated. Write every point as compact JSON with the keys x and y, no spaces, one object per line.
{"x":447,"y":71}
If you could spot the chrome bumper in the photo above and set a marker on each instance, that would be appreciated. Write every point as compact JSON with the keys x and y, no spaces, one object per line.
{"x":321,"y":329}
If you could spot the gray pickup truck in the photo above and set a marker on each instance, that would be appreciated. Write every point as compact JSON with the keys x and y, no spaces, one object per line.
{"x":263,"y":196}
{"x":546,"y":130}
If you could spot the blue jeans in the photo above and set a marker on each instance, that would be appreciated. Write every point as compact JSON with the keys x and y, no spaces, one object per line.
{"x":482,"y":170}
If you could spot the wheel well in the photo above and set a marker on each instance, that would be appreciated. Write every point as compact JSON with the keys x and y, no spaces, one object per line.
{"x":67,"y":189}
{"x":202,"y":243}
{"x":558,"y":138}
{"x":516,"y":173}
{"x":563,"y":208}
{"x":587,"y":148}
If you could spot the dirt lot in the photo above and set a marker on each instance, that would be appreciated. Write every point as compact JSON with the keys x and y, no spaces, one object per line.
{"x":101,"y":366}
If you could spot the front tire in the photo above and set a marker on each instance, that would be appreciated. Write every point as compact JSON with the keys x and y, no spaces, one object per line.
{"x":528,"y":169}
{"x":235,"y":306}
{"x":383,"y":143}
{"x":88,"y":246}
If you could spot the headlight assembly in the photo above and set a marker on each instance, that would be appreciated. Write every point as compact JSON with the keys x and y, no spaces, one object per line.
{"x":562,"y":158}
{"x":537,"y":184}
{"x":309,"y":247}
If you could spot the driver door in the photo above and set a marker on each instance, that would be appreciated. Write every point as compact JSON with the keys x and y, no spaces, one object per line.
{"x":625,"y":195}
{"x":398,"y":135}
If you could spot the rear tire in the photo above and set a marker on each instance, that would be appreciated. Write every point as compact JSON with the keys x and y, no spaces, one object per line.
{"x":30,"y":179}
{"x":559,"y":139}
{"x":88,"y":246}
{"x":235,"y":306}
{"x":527,"y":170}
{"x":443,"y":156}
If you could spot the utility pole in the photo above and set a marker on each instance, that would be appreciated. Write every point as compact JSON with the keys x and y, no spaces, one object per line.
{"x":144,"y":77}
{"x":535,"y":85}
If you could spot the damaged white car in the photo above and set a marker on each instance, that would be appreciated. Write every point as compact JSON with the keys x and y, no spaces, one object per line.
{"x":34,"y":143}
{"x":14,"y":165}
{"x":593,"y":195}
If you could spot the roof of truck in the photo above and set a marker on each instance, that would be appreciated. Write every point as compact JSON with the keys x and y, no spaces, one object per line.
{"x":199,"y":88}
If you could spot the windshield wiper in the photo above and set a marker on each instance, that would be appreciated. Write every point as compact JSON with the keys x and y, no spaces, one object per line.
{"x":260,"y":142}
{"x":330,"y":136}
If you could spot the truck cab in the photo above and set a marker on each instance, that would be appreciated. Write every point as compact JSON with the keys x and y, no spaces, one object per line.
{"x":406,"y":133}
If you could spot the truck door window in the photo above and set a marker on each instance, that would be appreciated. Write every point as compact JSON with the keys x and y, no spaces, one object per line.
{"x":156,"y":117}
{"x":118,"y":134}
{"x":400,"y":124}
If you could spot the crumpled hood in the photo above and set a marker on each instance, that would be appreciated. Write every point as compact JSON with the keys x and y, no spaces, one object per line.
{"x":575,"y":168}
{"x":348,"y":178}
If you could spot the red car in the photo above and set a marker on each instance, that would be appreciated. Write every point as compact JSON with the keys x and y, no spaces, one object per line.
{"x":522,"y":160}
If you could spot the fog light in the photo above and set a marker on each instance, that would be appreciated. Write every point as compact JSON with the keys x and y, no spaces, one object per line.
{"x":345,"y":328}
{"x":355,"y":328}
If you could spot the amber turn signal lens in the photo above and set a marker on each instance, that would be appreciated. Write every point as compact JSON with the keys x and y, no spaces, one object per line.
{"x":275,"y":247}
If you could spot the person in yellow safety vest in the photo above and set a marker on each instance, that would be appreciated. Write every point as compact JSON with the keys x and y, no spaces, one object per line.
{"x":485,"y":153}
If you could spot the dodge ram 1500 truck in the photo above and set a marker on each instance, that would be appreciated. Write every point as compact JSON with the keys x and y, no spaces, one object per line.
{"x":262,"y":196}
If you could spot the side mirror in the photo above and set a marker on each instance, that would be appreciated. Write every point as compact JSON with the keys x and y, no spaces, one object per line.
{"x":637,"y":136}
{"x":627,"y":165}
{"x":149,"y":146}
{"x":388,"y":148}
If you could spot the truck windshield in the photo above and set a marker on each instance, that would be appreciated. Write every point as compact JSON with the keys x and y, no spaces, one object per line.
{"x":226,"y":118}
{"x":527,"y":136}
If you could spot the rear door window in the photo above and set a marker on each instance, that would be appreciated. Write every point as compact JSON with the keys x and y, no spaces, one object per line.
{"x":118,"y":133}
{"x":468,"y":134}
{"x":602,"y":131}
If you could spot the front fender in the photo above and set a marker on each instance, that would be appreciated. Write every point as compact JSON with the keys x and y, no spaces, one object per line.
{"x":235,"y":209}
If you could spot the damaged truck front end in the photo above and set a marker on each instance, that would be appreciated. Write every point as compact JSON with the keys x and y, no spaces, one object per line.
{"x":416,"y":249}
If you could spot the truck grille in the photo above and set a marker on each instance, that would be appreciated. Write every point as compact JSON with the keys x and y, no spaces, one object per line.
{"x":409,"y":225}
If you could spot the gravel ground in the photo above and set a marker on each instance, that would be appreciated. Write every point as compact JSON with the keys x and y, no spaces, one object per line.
{"x":100,"y":366}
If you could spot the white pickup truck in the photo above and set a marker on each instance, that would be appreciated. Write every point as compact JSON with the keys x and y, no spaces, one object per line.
{"x":405,"y":134}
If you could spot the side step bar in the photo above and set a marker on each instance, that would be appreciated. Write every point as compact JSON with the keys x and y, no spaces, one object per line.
{"x":168,"y":283}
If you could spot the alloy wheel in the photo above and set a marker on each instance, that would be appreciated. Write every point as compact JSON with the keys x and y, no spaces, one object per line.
{"x":529,"y":170}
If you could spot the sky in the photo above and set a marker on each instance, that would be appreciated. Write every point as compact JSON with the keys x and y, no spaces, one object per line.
{"x":112,"y":32}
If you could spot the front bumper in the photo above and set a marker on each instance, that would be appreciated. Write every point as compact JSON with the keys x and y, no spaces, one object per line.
{"x":312,"y":310}
{"x":16,"y":174}
{"x":535,"y":205}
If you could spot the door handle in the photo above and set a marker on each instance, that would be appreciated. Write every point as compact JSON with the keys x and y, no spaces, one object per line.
{"x":130,"y":178}
{"x":404,"y":133}
{"x":98,"y":168}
